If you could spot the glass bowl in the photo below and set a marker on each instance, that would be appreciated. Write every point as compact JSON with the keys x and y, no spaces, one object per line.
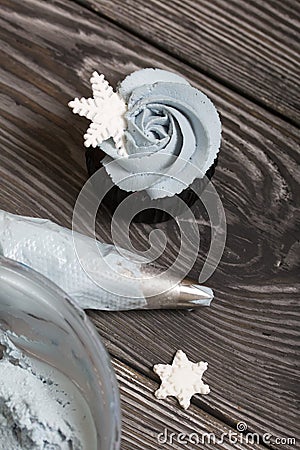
{"x":46,"y":324}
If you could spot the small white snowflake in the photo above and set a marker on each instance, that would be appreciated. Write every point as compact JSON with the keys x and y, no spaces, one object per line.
{"x":106,"y":110}
{"x":182,"y":379}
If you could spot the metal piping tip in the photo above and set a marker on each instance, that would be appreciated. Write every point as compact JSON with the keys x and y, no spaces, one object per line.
{"x":185,"y":295}
{"x":194,"y":295}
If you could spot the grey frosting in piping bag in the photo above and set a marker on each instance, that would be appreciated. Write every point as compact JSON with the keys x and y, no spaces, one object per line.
{"x":112,"y":281}
{"x":49,"y":249}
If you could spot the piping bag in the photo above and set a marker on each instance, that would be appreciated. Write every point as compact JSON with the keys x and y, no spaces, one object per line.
{"x":114,"y":281}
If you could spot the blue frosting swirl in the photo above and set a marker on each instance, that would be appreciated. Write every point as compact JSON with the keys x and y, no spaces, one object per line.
{"x":173,"y":134}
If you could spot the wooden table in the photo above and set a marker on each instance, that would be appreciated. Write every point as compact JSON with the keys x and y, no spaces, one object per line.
{"x":244,"y":55}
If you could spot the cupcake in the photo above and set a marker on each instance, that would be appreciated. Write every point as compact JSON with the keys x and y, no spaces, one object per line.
{"x":156,"y":137}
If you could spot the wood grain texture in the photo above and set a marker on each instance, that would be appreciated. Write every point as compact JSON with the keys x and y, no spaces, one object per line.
{"x":144,"y":418}
{"x":250,"y":336}
{"x":250,"y":45}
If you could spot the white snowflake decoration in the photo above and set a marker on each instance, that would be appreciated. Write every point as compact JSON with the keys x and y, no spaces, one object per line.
{"x":106,"y":110}
{"x":182,"y":379}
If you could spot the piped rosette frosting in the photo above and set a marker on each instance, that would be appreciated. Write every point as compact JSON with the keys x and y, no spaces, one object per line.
{"x":171,"y":134}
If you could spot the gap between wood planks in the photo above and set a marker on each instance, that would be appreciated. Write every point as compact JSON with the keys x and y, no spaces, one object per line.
{"x":150,"y":379}
{"x":234,"y":88}
{"x":139,"y":389}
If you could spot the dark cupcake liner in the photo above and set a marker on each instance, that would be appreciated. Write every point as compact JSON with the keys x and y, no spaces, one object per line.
{"x":115,"y":196}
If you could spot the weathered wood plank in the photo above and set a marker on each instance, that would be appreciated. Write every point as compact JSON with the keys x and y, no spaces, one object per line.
{"x":251,"y":46}
{"x":145,"y":418}
{"x":249,"y":336}
{"x":251,"y":352}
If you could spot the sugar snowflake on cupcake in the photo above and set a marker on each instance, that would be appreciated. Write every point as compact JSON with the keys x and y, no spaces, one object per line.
{"x":106,"y":110}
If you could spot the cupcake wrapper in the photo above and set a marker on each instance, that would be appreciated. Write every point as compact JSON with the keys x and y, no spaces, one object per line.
{"x":149,"y":215}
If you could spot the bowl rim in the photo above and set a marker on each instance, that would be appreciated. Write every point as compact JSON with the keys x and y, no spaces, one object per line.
{"x":98,"y":348}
